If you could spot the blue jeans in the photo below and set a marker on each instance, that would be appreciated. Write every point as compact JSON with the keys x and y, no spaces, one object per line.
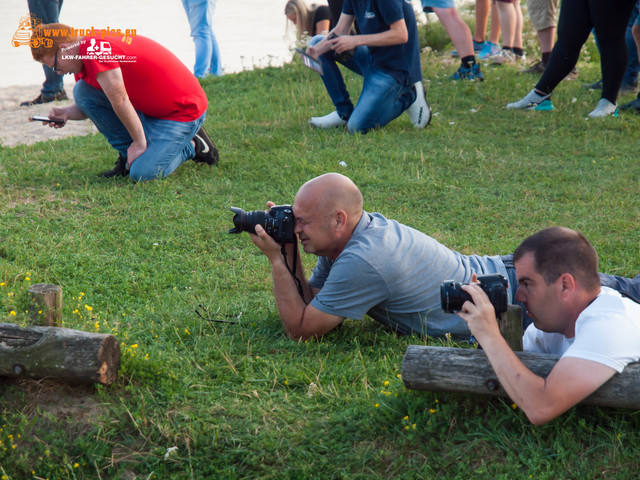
{"x":382,"y":99}
{"x":48,"y":11}
{"x":633,"y":67}
{"x":200,"y":14}
{"x":168,"y":141}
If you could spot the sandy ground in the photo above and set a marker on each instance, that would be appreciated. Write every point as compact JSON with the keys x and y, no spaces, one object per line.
{"x":15,"y":127}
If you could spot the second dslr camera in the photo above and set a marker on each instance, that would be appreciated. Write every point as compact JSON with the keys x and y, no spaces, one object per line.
{"x":495,"y":286}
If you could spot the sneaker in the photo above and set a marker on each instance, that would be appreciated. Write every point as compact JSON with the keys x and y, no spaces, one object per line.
{"x":537,"y":68}
{"x":633,"y":106}
{"x":488,"y":50}
{"x":419,"y":112}
{"x":477,"y":48}
{"x":593,"y":86}
{"x":206,"y":151}
{"x":573,"y":74}
{"x":472,"y":73}
{"x":40,"y":99}
{"x":119,"y":170}
{"x":502,"y":57}
{"x":604,"y":109}
{"x":533,"y":101}
{"x":332,"y":120}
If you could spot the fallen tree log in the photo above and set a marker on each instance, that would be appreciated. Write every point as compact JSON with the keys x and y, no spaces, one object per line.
{"x":59,"y":353}
{"x":466,"y":370}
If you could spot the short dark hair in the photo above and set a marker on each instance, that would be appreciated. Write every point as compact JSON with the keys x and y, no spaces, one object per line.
{"x":558,"y":250}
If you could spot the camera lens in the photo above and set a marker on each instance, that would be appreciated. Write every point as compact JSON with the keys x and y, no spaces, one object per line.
{"x":452,"y":297}
{"x":247,"y":221}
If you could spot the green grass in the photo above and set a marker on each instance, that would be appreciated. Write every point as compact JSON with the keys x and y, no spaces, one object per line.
{"x":242,"y":400}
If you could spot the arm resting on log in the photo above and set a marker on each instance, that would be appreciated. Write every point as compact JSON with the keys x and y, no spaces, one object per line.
{"x":465,"y":370}
{"x":60,"y":353}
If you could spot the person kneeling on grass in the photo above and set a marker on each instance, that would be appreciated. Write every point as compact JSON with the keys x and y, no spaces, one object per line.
{"x":385,"y":53}
{"x":139,"y":95}
{"x":596,"y":330}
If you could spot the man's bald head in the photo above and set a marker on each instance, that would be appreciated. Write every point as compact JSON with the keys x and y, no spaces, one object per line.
{"x":331,"y":192}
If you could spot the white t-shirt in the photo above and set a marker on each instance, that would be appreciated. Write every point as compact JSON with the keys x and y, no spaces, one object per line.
{"x":607,"y":332}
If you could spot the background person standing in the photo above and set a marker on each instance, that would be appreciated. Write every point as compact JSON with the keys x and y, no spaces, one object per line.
{"x":200,"y":14}
{"x":46,"y":11}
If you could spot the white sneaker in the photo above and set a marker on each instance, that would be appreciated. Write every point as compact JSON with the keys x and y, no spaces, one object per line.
{"x":502,"y":57}
{"x":419,"y":112}
{"x":604,"y":109}
{"x":332,"y":120}
{"x":533,"y":101}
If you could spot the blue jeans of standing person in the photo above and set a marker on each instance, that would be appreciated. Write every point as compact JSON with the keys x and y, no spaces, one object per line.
{"x":168,"y":141}
{"x":383,"y":97}
{"x":200,"y":14}
{"x":633,"y":66}
{"x":48,"y":11}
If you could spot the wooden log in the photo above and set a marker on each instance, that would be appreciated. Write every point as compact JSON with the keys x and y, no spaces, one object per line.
{"x":59,"y":353}
{"x":466,"y":370}
{"x":45,"y":304}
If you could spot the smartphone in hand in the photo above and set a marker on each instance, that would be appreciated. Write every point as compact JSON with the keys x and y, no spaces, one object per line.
{"x":42,"y":118}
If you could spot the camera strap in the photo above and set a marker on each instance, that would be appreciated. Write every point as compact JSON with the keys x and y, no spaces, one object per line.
{"x":283,"y":250}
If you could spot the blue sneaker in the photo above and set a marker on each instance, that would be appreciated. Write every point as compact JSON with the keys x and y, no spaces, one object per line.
{"x":472,"y":73}
{"x":477,"y":48}
{"x":488,"y":50}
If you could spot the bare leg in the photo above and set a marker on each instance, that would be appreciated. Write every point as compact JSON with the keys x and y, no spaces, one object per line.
{"x":546,"y":38}
{"x":458,"y":31}
{"x":483,"y":7}
{"x":508,"y":19}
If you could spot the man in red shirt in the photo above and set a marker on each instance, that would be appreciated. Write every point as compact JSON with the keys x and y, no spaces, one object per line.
{"x":139,"y":95}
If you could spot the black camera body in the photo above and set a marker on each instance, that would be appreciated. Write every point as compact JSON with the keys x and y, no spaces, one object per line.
{"x":495,"y":286}
{"x":278,"y":222}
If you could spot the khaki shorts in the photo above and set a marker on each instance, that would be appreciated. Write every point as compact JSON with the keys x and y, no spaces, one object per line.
{"x":543,"y":13}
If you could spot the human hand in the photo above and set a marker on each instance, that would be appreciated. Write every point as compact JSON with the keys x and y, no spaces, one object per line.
{"x":60,"y":113}
{"x":266,"y":244}
{"x":343,"y":43}
{"x":135,"y":150}
{"x":480,"y":314}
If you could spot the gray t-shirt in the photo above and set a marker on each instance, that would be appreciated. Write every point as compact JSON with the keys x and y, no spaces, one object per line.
{"x":393,"y":273}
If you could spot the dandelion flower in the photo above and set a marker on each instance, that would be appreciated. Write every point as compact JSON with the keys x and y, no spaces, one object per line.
{"x":432,"y":411}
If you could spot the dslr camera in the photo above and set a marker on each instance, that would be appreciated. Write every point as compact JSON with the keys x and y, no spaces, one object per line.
{"x":495,"y":286}
{"x":278,"y":222}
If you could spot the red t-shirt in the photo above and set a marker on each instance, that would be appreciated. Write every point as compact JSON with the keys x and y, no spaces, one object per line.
{"x":157,"y":82}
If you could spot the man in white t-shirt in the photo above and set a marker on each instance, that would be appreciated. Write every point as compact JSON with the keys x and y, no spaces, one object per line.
{"x":596,"y":330}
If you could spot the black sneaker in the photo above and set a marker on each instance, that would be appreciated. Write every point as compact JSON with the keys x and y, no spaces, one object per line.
{"x":40,"y":99}
{"x":633,"y":106}
{"x":206,"y":151}
{"x":593,"y":86}
{"x":119,"y":169}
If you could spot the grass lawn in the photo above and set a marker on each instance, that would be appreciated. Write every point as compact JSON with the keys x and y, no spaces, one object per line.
{"x":241,"y":400}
